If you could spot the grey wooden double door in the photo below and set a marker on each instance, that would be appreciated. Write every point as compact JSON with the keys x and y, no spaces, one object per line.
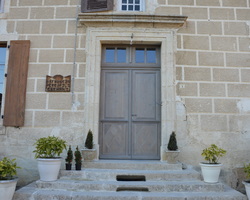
{"x":130,"y":114}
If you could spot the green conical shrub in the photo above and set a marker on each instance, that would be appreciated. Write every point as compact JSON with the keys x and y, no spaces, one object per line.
{"x":78,"y":156}
{"x":172,"y":144}
{"x":89,"y":140}
{"x":69,"y":157}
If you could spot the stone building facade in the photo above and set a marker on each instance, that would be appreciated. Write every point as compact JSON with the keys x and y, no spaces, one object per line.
{"x":204,"y":53}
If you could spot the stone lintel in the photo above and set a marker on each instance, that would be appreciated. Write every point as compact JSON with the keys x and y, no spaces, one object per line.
{"x":166,"y":21}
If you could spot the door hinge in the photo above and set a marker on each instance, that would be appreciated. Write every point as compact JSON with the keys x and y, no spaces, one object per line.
{"x":8,"y":46}
{"x":5,"y":75}
{"x":2,"y":116}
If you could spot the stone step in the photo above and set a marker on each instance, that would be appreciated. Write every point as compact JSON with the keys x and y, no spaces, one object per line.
{"x":150,"y":175}
{"x":150,"y":186}
{"x":34,"y":193}
{"x":131,"y":164}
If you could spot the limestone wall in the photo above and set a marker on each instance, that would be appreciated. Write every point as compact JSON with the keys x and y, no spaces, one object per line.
{"x":212,"y":77}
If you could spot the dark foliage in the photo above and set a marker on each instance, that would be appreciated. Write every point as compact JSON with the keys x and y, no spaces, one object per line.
{"x":172,"y":144}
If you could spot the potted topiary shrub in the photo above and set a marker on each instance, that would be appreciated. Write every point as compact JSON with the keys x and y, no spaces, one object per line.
{"x":69,"y":158}
{"x":172,"y":151}
{"x":247,"y":182}
{"x":48,"y":151}
{"x":89,"y":153}
{"x":211,"y":169}
{"x":8,"y":181}
{"x":78,"y":159}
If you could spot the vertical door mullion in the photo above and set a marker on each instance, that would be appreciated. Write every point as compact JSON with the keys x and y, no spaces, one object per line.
{"x":130,"y":96}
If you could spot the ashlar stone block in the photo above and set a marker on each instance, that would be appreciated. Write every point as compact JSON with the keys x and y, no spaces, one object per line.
{"x":188,"y":27}
{"x":80,"y":55}
{"x":51,"y":55}
{"x":214,"y":123}
{"x":30,"y":85}
{"x":226,"y":75}
{"x":28,"y":27}
{"x":238,"y":90}
{"x":236,"y":28}
{"x":181,"y":2}
{"x":163,"y":10}
{"x":224,"y":43}
{"x":239,"y":123}
{"x":42,"y":13}
{"x":10,"y":26}
{"x":54,"y":27}
{"x":38,"y":70}
{"x":225,"y":106}
{"x":36,"y":101}
{"x":64,"y":42}
{"x":40,"y":41}
{"x":28,"y":120}
{"x":222,"y":13}
{"x":195,"y":13}
{"x":197,"y":74}
{"x":233,"y":3}
{"x":245,"y":75}
{"x":244,"y":44}
{"x":212,"y":90}
{"x":30,"y":2}
{"x":197,"y":105}
{"x":69,"y":118}
{"x":18,"y":13}
{"x":208,"y":2}
{"x":211,"y":59}
{"x":238,"y":59}
{"x":62,"y":69}
{"x":47,"y":118}
{"x":187,"y":89}
{"x":161,"y":2}
{"x":186,"y":58}
{"x":196,"y":42}
{"x":60,"y":101}
{"x":55,"y":2}
{"x":243,"y":14}
{"x":65,"y":12}
{"x":211,"y":28}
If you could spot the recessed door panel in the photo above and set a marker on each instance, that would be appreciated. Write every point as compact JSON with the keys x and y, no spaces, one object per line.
{"x":146,"y":141}
{"x":114,"y":102}
{"x":114,"y":137}
{"x":145,"y":97}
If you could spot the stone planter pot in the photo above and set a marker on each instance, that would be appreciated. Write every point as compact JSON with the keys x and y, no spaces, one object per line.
{"x":7,"y":189}
{"x":49,"y":168}
{"x":89,"y":154}
{"x":247,"y":187}
{"x":171,"y":156}
{"x":210,"y":172}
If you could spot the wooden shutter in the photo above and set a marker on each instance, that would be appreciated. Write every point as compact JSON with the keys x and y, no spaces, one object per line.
{"x":15,"y":93}
{"x":96,"y":5}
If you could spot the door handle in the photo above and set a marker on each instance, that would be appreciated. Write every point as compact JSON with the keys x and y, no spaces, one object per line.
{"x":133,"y":116}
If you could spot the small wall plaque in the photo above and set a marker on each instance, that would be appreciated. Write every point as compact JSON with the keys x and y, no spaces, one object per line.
{"x":58,"y":83}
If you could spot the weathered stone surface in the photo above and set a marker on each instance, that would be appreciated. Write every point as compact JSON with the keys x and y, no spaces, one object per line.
{"x":100,"y":182}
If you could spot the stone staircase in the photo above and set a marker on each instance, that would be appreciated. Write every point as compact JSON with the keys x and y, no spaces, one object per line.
{"x":128,"y":180}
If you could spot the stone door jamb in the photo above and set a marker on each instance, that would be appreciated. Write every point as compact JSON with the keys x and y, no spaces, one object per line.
{"x":98,"y":36}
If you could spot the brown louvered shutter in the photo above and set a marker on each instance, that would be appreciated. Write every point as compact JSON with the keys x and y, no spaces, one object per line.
{"x":15,"y":93}
{"x":96,"y":5}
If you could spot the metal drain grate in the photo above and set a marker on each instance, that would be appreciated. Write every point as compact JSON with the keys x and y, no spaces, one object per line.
{"x":130,"y":178}
{"x":132,"y":189}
